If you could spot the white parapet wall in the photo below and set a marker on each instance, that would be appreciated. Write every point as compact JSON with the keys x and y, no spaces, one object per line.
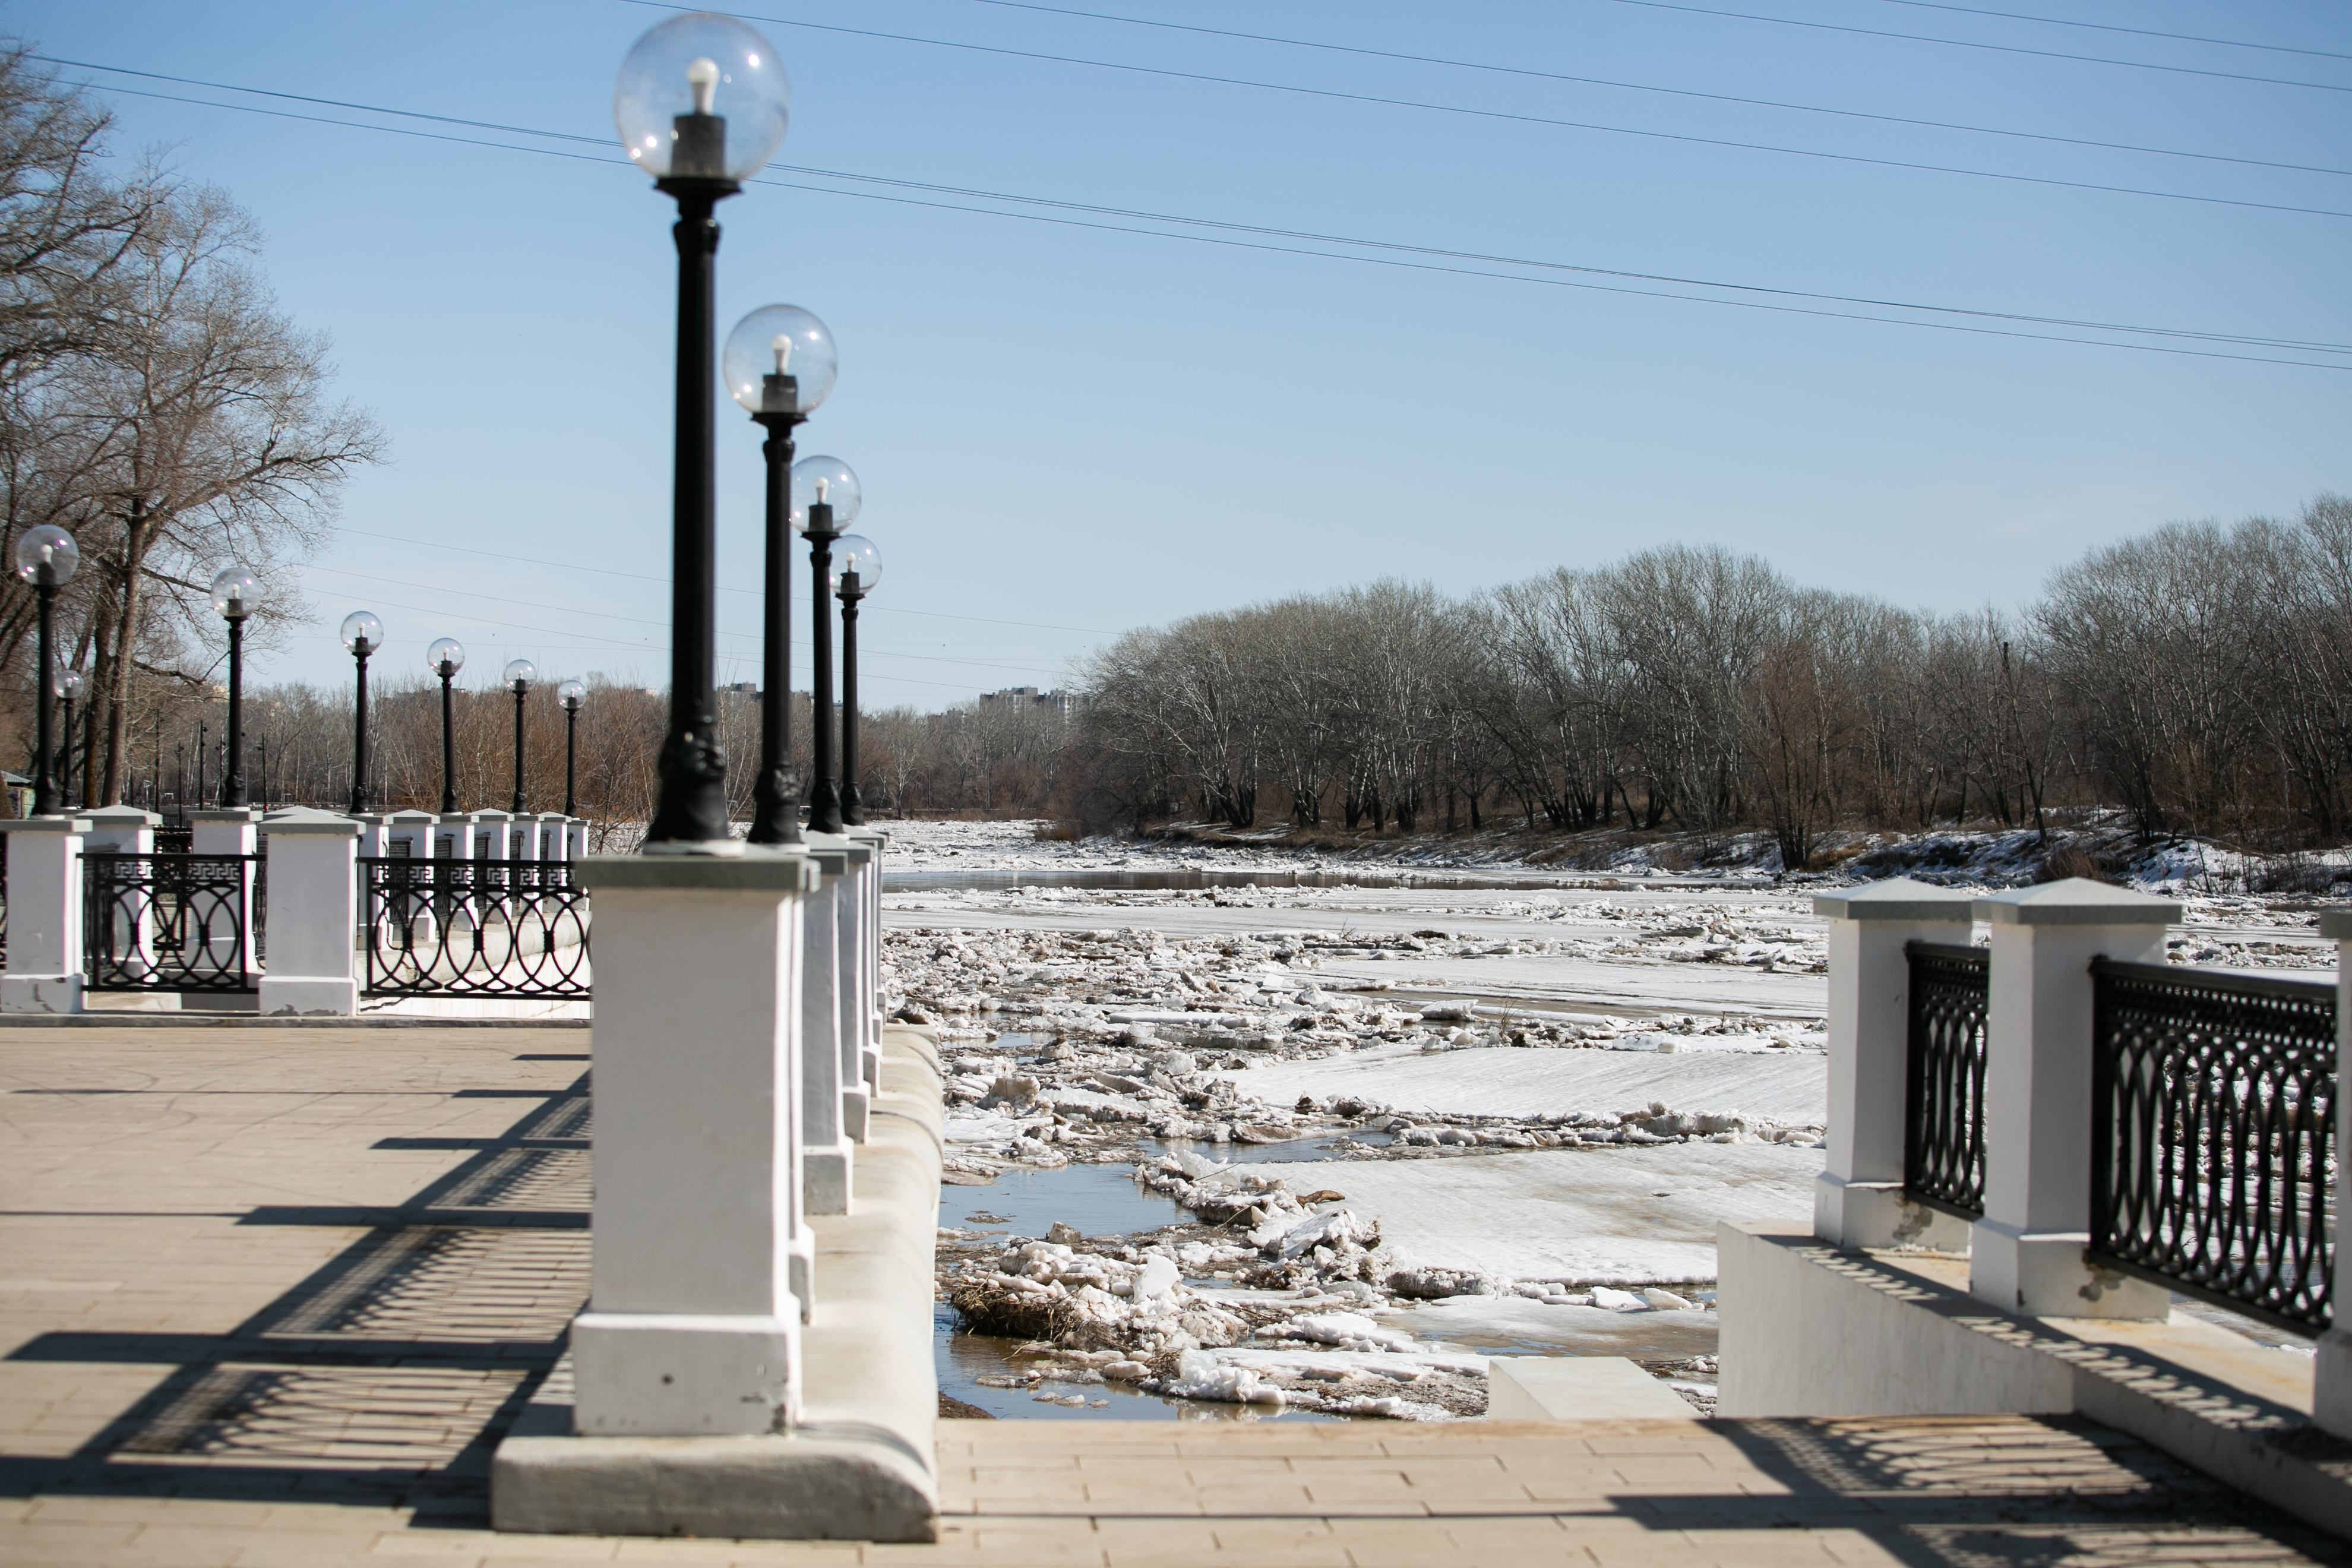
{"x":861,"y":1463}
{"x":1810,"y":1329}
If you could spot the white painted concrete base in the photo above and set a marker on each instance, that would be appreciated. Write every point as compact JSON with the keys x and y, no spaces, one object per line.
{"x":1878,"y":1214}
{"x":306,"y":998}
{"x":860,"y":1465}
{"x":2044,"y":1275}
{"x":681,"y":1373}
{"x":40,"y":994}
{"x":1579,"y":1388}
{"x":826,"y":1180}
{"x":1808,"y":1330}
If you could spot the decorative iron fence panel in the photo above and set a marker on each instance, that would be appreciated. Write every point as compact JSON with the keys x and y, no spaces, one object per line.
{"x":1943,"y":1110}
{"x":168,"y":922}
{"x":473,"y":927}
{"x":2214,"y":1118}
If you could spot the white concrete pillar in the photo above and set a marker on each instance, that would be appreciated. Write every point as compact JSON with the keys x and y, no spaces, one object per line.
{"x":375,"y":829}
{"x":575,"y":838}
{"x":699,"y":1281}
{"x":851,"y":994}
{"x":409,"y":830}
{"x":1858,"y":1197}
{"x":227,"y":831}
{"x":554,"y":843}
{"x":870,"y":950}
{"x":130,"y":940}
{"x":313,"y":908}
{"x":2025,"y":1255}
{"x":44,"y":915}
{"x":831,"y":1097}
{"x":2331,"y":1390}
{"x":119,"y":830}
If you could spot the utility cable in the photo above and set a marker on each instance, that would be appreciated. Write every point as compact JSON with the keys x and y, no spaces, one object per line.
{"x":1669,"y":92}
{"x":1995,"y":48}
{"x":1290,"y":250}
{"x":634,"y":620}
{"x":1294,"y":250}
{"x":2112,"y":27}
{"x":1511,"y":118}
{"x":752,"y":593}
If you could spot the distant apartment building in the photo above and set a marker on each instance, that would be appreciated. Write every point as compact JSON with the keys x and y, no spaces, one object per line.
{"x":1066,"y":703}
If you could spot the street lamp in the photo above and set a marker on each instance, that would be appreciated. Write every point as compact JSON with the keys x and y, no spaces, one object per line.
{"x":362,"y":635}
{"x":446,"y":657}
{"x":702,"y":105}
{"x":779,"y":364}
{"x":571,"y":694}
{"x":46,"y":557}
{"x":517,"y":678}
{"x":834,"y":498}
{"x":69,"y":687}
{"x":235,"y":593}
{"x":858,"y":574}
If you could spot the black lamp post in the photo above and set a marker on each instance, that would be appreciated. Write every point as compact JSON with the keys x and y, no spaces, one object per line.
{"x":571,"y":694}
{"x":69,"y":687}
{"x":780,"y":365}
{"x":448,"y":657}
{"x":861,"y":570}
{"x":517,"y":679}
{"x":834,"y":498}
{"x":668,"y":107}
{"x":235,"y":595}
{"x":46,"y":557}
{"x":362,"y":635}
{"x":203,"y":750}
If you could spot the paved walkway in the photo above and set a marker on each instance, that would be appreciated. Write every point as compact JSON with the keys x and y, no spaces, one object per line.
{"x":268,"y":1296}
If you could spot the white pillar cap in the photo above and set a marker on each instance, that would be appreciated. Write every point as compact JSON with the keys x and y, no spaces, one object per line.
{"x":122,"y":813}
{"x":1896,"y":899}
{"x":2076,"y":902}
{"x":309,"y":819}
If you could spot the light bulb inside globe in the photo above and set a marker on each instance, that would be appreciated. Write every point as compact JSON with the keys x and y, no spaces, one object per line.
{"x":826,"y":481}
{"x":779,"y":359}
{"x":702,"y":80}
{"x":445,"y":657}
{"x":48,"y":546}
{"x":236,"y":592}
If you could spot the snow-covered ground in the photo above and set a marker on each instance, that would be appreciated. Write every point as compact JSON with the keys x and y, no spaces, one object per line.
{"x":1488,"y":1115}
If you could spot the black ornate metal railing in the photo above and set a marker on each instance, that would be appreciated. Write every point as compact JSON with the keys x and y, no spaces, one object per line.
{"x":473,"y":927}
{"x":2214,"y":1118}
{"x":168,"y":922}
{"x":1943,"y":1110}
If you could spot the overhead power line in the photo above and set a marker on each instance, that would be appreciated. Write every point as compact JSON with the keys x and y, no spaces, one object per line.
{"x":615,"y":162}
{"x":1510,"y":117}
{"x":752,"y":593}
{"x":2112,"y":27}
{"x":1995,"y":48}
{"x":1670,"y":91}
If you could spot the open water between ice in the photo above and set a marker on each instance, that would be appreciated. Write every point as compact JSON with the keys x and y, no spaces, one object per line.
{"x":1101,"y":1200}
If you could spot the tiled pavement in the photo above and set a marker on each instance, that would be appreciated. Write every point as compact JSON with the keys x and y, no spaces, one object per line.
{"x":268,"y":1296}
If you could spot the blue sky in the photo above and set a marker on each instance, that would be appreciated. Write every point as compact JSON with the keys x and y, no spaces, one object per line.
{"x":1081,"y":430}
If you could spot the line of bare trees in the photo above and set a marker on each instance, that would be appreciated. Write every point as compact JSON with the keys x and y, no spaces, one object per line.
{"x":156,"y":404}
{"x":2200,"y":678}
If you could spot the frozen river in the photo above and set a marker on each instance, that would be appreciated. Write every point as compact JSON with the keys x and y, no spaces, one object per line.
{"x":1505,"y":1111}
